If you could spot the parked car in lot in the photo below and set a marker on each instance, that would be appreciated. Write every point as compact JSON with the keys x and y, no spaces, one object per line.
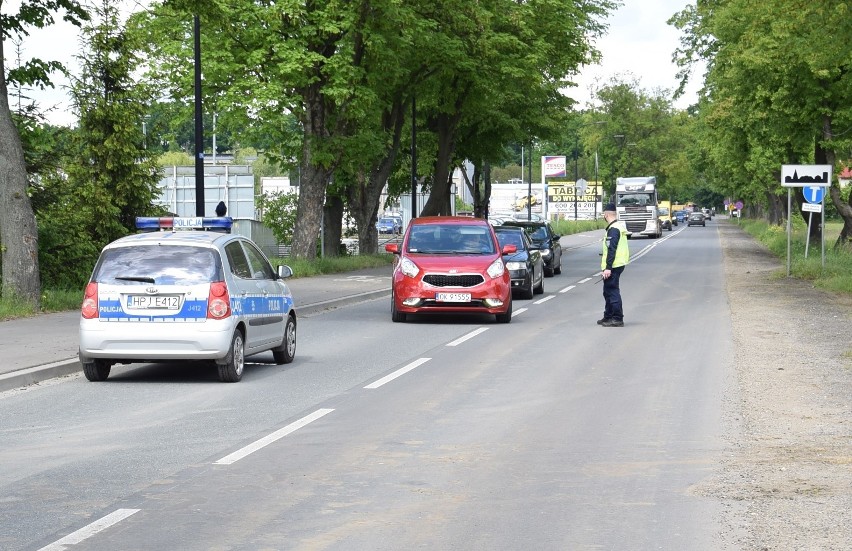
{"x":531,"y":216}
{"x":525,"y":265}
{"x":389,"y":224}
{"x":450,"y":265}
{"x":547,"y":241}
{"x":696,"y":219}
{"x":168,"y":295}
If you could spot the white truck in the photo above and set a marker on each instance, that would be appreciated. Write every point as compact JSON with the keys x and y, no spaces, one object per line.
{"x":637,"y":206}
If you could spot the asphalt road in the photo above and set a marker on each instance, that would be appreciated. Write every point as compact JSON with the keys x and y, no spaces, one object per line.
{"x":441,"y":433}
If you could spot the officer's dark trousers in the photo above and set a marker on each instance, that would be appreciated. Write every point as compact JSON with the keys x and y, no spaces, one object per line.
{"x":612,"y":296}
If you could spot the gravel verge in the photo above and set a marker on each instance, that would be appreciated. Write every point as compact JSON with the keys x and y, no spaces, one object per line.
{"x":787,"y":479}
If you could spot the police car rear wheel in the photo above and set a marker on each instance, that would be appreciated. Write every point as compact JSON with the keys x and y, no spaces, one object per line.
{"x":231,"y":371}
{"x":285,"y":353}
{"x":96,"y":370}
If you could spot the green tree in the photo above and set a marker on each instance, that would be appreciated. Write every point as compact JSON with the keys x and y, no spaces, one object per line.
{"x":279,"y":214}
{"x":777,"y":88}
{"x":301,"y":59}
{"x":636,"y":133}
{"x":500,"y":68}
{"x":18,"y":231}
{"x":114,"y":175}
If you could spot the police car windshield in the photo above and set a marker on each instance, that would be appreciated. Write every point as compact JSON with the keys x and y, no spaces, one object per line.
{"x":163,"y":265}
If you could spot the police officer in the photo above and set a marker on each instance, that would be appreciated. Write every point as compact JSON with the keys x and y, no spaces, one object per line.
{"x":614,"y":257}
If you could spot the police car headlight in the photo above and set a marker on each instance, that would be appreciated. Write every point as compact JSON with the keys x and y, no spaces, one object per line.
{"x":496,"y":269}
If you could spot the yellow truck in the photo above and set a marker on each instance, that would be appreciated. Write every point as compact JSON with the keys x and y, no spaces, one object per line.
{"x":664,"y":210}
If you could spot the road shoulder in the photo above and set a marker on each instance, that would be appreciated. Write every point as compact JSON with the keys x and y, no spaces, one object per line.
{"x":790,"y":461}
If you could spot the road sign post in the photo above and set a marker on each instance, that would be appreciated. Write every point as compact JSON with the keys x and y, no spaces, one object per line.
{"x":814,"y":196}
{"x":813,"y":179}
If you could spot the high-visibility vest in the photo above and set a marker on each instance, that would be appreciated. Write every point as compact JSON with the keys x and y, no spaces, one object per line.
{"x":622,"y":252}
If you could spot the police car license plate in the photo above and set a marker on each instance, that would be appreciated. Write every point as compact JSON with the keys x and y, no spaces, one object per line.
{"x":452,"y":297}
{"x":160,"y":302}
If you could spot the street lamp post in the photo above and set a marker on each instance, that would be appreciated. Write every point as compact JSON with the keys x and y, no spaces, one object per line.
{"x":619,"y":138}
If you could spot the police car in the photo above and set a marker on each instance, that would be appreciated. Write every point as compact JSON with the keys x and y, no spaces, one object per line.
{"x":173,"y":292}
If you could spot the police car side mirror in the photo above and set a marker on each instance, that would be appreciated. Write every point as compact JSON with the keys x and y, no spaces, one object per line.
{"x":284,"y":271}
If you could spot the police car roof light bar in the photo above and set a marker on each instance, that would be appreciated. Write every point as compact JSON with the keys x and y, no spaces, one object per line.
{"x":162,"y":223}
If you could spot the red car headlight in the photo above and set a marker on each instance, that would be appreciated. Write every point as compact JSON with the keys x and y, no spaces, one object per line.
{"x":408,"y":267}
{"x":496,"y":269}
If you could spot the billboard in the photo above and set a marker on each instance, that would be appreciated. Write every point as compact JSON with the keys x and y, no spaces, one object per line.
{"x":562,"y":198}
{"x":554,"y":166}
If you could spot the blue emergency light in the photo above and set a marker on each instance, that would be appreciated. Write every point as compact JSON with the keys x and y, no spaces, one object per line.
{"x":174,"y":223}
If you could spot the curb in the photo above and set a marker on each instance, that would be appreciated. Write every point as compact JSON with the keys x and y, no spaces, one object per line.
{"x":36,"y":374}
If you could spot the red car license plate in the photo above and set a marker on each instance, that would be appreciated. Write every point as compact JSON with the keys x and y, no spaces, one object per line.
{"x":452,"y":297}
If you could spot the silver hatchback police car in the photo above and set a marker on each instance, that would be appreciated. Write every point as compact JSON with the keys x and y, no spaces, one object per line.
{"x":176,"y":293}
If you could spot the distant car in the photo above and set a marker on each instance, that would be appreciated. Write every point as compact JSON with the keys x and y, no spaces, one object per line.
{"x":696,"y":219}
{"x":681,"y":216}
{"x":450,"y":265}
{"x":166,"y":295}
{"x":547,"y":241}
{"x":525,"y":265}
{"x":708,"y":214}
{"x":390,"y":225}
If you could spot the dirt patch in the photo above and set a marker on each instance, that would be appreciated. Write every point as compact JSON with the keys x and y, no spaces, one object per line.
{"x":789,"y":412}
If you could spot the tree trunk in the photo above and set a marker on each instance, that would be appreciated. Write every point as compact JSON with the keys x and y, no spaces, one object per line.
{"x":473,"y":187}
{"x":332,"y":226}
{"x":314,"y":181}
{"x":314,"y":178}
{"x":363,"y":197}
{"x":844,"y":209}
{"x":438,"y":203}
{"x":777,"y":209}
{"x":486,"y":194}
{"x":18,"y":231}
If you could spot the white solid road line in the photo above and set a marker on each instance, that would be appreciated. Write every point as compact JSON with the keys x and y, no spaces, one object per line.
{"x":90,"y":530}
{"x":470,"y":335}
{"x":401,"y":371}
{"x":266,"y":440}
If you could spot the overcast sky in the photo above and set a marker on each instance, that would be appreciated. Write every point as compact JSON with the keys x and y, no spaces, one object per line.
{"x":638,"y":43}
{"x":641,"y":44}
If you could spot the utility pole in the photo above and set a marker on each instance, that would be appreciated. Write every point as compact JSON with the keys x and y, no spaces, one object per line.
{"x":413,"y":158}
{"x":199,"y":126}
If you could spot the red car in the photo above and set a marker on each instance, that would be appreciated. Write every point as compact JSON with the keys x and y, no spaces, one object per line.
{"x":450,"y":264}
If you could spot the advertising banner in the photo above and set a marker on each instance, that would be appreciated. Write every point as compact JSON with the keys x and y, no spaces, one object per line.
{"x":562,"y":198}
{"x":554,"y":166}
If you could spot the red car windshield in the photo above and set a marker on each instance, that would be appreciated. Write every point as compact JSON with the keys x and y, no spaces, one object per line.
{"x":450,"y":239}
